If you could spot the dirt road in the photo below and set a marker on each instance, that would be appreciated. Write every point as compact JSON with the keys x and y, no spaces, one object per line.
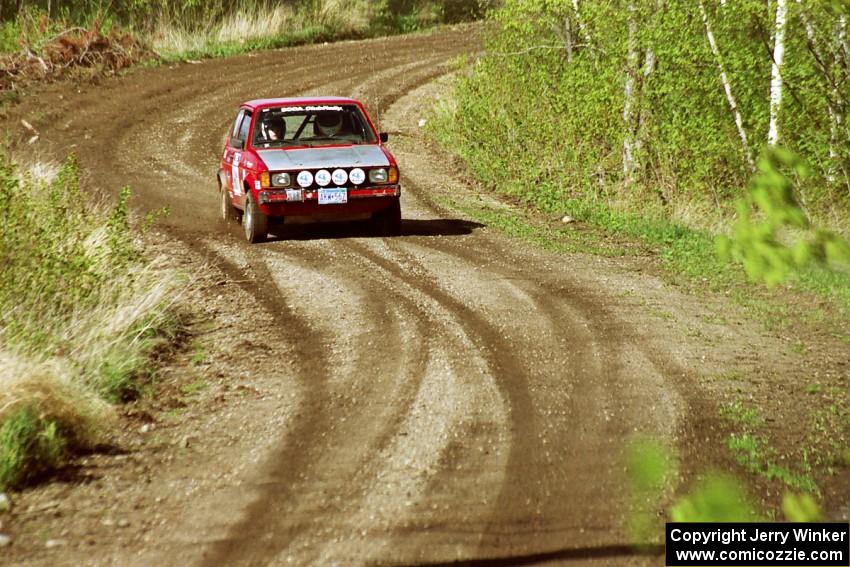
{"x":447,"y":394}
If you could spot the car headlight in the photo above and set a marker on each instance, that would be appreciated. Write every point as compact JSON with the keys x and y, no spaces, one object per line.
{"x":384,"y":175}
{"x":281,"y":180}
{"x":378,"y":175}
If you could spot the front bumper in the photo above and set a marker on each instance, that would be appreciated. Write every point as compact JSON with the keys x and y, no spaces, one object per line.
{"x":305,"y":202}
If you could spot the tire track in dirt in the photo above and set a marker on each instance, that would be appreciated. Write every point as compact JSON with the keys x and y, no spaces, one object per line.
{"x":440,"y":409}
{"x":610,"y":382}
{"x":259,"y":515}
{"x":269,"y":517}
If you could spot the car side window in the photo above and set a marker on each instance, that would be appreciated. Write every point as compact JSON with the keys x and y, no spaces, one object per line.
{"x":235,"y":129}
{"x":243,"y":128}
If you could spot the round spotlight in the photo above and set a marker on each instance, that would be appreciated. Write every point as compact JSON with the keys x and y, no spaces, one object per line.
{"x":323,"y":177}
{"x":357,"y":176}
{"x":339,"y":177}
{"x":305,"y":178}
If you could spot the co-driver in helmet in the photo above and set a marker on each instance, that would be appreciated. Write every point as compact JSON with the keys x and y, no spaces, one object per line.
{"x":328,"y":123}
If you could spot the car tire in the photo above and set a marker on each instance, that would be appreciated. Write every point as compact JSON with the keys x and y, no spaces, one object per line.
{"x":227,"y":210}
{"x":387,"y":222}
{"x":255,"y":223}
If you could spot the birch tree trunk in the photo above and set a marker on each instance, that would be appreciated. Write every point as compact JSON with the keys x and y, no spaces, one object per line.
{"x":833,"y":99}
{"x":727,"y":87}
{"x":629,"y":160}
{"x":568,"y":38}
{"x":776,"y":74}
{"x":582,"y":28}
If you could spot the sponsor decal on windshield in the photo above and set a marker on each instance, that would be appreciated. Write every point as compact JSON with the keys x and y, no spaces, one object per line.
{"x":308,"y":108}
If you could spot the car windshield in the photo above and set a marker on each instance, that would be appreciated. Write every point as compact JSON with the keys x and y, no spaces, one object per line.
{"x":312,"y":125}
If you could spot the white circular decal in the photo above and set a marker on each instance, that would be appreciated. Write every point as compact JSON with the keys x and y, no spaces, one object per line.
{"x":339,"y":176}
{"x":357,"y":176}
{"x":305,"y":178}
{"x":323,"y":177}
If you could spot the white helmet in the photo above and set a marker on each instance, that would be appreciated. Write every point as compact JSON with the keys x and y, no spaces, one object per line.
{"x":328,"y":123}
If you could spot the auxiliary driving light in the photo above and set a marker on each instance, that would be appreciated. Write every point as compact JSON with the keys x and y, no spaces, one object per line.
{"x":305,"y":178}
{"x":323,"y":177}
{"x":339,"y":177}
{"x":357,"y":176}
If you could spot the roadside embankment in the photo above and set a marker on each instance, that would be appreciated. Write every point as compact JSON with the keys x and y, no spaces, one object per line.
{"x":83,"y":310}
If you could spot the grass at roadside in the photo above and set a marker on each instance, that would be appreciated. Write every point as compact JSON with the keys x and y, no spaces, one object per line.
{"x":250,"y":28}
{"x":82,"y":311}
{"x":37,"y":45}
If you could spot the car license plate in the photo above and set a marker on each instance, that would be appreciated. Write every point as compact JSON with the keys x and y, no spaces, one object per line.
{"x":333,"y":195}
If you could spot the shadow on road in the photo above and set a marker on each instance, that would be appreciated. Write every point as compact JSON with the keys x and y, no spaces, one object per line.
{"x":358,"y":229}
{"x":571,"y":554}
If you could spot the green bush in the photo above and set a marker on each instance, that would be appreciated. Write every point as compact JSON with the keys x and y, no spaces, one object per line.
{"x":81,"y":311}
{"x":29,"y":444}
{"x":541,"y":115}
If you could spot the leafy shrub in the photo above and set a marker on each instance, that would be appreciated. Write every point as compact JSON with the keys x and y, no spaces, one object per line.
{"x":28,"y":444}
{"x":769,"y":217}
{"x":81,"y":309}
{"x":549,"y":109}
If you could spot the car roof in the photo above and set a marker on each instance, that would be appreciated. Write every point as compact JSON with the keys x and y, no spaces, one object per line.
{"x":264,"y":102}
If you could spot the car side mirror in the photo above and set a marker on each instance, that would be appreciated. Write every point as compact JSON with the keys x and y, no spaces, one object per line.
{"x":384,"y":137}
{"x":237,"y":143}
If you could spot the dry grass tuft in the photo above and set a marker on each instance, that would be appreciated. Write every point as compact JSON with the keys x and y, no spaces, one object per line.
{"x":172,"y":37}
{"x":49,"y":387}
{"x":82,"y":310}
{"x":251,"y":24}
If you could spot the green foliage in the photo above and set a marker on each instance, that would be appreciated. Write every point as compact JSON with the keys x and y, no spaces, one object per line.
{"x":749,"y":417}
{"x":32,"y":22}
{"x":801,"y":508}
{"x":28,"y":444}
{"x":81,"y":310}
{"x":540,"y":116}
{"x":754,"y":454}
{"x":715,"y":498}
{"x":769,"y":212}
{"x":651,"y":469}
{"x":56,"y":258}
{"x":650,"y":466}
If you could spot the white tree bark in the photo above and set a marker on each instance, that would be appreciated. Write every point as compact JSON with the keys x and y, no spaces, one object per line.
{"x":727,"y":87}
{"x":776,"y":72}
{"x":629,"y":160}
{"x":834,"y":95}
{"x":568,"y":39}
{"x":582,"y":28}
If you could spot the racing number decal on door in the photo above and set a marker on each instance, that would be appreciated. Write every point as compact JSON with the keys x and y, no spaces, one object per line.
{"x":235,"y":178}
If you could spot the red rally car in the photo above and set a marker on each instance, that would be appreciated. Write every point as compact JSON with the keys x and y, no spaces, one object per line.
{"x":317,"y":157}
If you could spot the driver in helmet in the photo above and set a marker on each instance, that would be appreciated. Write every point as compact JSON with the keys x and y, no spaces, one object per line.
{"x":328,"y":123}
{"x":275,"y":129}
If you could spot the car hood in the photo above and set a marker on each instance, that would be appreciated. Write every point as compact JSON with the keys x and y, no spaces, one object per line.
{"x":314,"y":158}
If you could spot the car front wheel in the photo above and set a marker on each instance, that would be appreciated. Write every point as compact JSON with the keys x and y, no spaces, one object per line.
{"x":255,"y":223}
